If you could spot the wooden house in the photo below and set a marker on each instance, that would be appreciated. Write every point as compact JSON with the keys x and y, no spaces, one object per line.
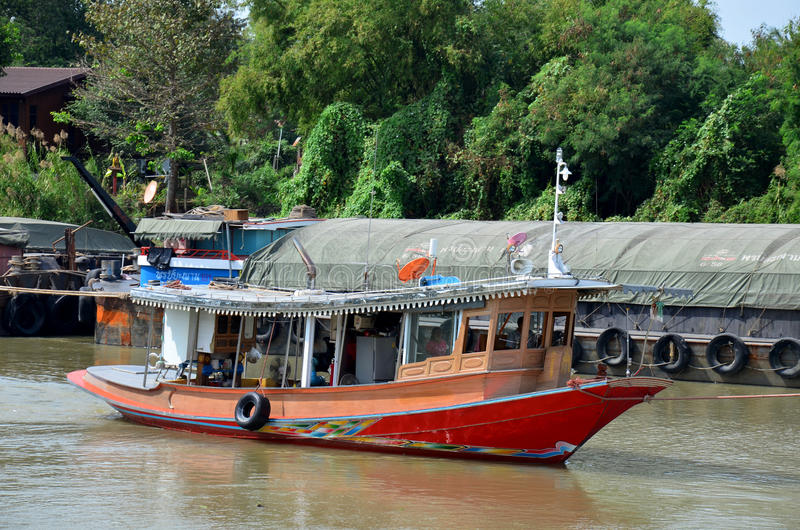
{"x":29,"y":95}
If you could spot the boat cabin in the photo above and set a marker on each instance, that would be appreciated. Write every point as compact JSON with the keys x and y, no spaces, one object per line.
{"x":419,"y":333}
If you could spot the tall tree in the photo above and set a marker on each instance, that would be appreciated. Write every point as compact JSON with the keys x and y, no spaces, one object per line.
{"x":46,"y":30}
{"x":307,"y":54}
{"x":627,"y":78}
{"x":155,"y":76}
{"x":9,"y":37}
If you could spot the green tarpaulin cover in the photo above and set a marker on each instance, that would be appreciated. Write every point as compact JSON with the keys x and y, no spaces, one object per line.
{"x":150,"y":228}
{"x":14,"y":238}
{"x":87,"y":240}
{"x":723,"y":265}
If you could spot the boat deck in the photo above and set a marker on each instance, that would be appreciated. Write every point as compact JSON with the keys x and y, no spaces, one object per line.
{"x":130,"y":375}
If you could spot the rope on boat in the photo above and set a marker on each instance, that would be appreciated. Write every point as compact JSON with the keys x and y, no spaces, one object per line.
{"x":747,"y":367}
{"x":706,"y":367}
{"x":96,"y":294}
{"x":648,"y":398}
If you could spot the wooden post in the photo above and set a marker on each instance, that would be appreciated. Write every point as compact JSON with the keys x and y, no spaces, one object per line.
{"x":69,"y":243}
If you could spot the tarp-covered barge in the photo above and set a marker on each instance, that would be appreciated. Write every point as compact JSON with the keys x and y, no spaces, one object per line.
{"x":739,"y":325}
{"x":41,"y":274}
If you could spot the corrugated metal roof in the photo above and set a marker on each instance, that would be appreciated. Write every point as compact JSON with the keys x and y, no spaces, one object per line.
{"x":153,"y":228}
{"x":260,"y":302}
{"x":24,"y":80}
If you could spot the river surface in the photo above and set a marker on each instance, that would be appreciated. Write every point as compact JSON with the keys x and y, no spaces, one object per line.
{"x":68,"y":460}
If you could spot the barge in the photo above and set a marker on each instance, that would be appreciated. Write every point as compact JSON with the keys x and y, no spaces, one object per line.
{"x":723,"y":304}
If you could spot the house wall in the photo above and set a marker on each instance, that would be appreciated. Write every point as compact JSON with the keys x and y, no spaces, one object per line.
{"x":35,"y":110}
{"x":6,"y":253}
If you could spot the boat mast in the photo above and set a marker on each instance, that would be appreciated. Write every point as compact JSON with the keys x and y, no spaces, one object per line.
{"x":555,"y":266}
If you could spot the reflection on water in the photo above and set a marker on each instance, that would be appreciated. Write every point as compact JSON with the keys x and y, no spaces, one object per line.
{"x":67,"y":458}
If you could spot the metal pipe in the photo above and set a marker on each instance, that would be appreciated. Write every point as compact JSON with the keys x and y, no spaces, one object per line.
{"x":228,"y":237}
{"x":286,"y":355}
{"x":310,"y":267}
{"x":238,"y":349}
{"x":147,"y":355}
{"x":337,"y":352}
{"x":308,"y":351}
{"x":297,"y":350}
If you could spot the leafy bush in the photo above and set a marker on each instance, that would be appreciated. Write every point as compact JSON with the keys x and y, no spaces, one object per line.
{"x":38,"y":184}
{"x":415,"y":140}
{"x":331,"y":162}
{"x":726,"y":158}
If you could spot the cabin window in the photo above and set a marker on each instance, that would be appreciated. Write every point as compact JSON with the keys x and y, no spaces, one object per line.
{"x":477,"y":327}
{"x":431,"y":335}
{"x":222,"y":324}
{"x":509,"y":331}
{"x":536,"y":329}
{"x":562,"y":329}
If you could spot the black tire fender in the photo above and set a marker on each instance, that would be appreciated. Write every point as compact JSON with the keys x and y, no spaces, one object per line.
{"x":25,"y":315}
{"x":87,"y":307}
{"x":602,"y":346}
{"x":661,"y":355}
{"x":252,"y":411}
{"x":741,"y":354}
{"x":62,"y":315}
{"x":776,"y":363}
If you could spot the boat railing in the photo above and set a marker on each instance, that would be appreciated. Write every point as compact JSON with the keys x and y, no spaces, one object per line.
{"x":199,"y":253}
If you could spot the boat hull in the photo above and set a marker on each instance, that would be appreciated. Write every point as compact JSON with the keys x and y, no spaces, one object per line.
{"x":461,"y":422}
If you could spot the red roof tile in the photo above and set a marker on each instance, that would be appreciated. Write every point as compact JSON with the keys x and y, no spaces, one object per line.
{"x":23,"y":80}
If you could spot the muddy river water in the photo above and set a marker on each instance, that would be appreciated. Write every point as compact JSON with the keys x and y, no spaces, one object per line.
{"x":68,"y":460}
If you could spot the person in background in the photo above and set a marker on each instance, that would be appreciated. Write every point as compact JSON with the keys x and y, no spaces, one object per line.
{"x":436,"y":345}
{"x":513,"y":338}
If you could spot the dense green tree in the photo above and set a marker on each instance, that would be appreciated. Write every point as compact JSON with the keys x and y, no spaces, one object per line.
{"x":155,"y":77}
{"x":331,"y":162}
{"x":776,"y":56}
{"x":469,"y":100}
{"x":9,"y":39}
{"x":609,"y":82}
{"x":46,"y":30}
{"x":307,"y":54}
{"x":626,"y":79}
{"x":726,"y":158}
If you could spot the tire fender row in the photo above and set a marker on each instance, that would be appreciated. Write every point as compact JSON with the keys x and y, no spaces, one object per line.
{"x":725,"y":353}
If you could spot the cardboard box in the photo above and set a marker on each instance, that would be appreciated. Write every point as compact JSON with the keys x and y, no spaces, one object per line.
{"x":236,"y":215}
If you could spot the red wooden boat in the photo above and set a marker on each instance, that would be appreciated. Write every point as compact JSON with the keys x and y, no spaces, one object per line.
{"x":544,"y":427}
{"x":458,"y":369}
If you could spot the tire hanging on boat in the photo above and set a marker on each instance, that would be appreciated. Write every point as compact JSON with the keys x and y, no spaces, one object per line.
{"x":602,"y":346}
{"x":62,"y":315}
{"x":776,"y":362}
{"x":741,"y":354}
{"x":661,"y":355}
{"x":252,"y":411}
{"x":24,"y":315}
{"x":87,"y":307}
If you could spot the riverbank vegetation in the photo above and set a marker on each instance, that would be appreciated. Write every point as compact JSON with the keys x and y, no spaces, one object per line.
{"x":448,"y":108}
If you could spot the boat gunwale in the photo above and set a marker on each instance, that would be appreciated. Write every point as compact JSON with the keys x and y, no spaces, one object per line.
{"x":167,"y":387}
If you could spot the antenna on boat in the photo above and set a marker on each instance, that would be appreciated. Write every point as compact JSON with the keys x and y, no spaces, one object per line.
{"x":556,"y":268}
